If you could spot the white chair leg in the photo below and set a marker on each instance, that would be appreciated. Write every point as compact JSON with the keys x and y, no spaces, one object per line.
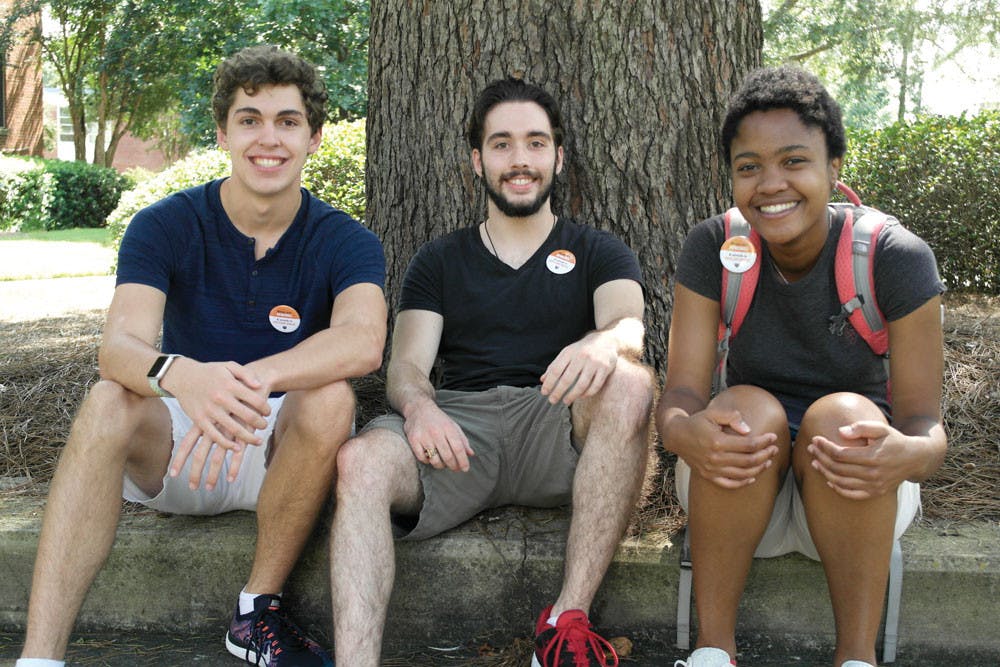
{"x":891,"y":634}
{"x":684,"y":596}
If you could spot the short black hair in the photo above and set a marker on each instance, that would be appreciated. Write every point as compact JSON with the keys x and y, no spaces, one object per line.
{"x":786,"y":87}
{"x":267,"y":65}
{"x":512,"y":90}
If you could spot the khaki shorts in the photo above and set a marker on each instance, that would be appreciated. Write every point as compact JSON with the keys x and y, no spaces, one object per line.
{"x":788,"y":530}
{"x":524,"y":455}
{"x":177,"y":498}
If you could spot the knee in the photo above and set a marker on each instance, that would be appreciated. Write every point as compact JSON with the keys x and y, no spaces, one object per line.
{"x":323,"y":416}
{"x":109,"y":408}
{"x":761,"y":411}
{"x":356,"y":469}
{"x":628,"y":393}
{"x":827,"y":414}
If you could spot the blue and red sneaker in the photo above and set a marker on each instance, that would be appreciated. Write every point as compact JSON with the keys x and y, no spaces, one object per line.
{"x":572,"y":642}
{"x":266,"y":637}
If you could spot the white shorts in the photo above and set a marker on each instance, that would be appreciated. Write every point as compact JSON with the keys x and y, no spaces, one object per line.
{"x":788,"y":529}
{"x":177,"y":498}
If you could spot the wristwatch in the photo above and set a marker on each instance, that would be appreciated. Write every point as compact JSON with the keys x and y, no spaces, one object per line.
{"x":157,"y":372}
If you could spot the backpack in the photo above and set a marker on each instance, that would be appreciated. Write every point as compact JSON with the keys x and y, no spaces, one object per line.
{"x":853,"y":269}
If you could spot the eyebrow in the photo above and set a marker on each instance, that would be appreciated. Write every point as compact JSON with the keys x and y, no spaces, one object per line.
{"x":257,"y":112}
{"x":508,"y":135}
{"x":784,"y":149}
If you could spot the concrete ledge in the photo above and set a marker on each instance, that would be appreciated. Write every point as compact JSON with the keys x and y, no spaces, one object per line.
{"x":491,"y":576}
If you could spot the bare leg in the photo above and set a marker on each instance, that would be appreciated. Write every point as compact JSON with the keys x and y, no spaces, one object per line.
{"x":727,"y":524}
{"x":853,"y":537}
{"x":310,"y":429}
{"x":113,"y":426}
{"x":377,"y":474}
{"x":614,"y":429}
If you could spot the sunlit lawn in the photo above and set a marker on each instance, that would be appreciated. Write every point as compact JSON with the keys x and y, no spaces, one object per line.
{"x":56,"y":254}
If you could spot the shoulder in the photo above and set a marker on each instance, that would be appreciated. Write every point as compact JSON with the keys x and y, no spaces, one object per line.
{"x":589,"y":238}
{"x":174,"y":213}
{"x":454,"y":240}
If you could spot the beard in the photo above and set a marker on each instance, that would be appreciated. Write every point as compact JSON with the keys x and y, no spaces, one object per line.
{"x":512,"y":209}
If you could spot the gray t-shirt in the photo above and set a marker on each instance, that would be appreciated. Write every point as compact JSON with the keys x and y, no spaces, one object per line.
{"x":785,"y":344}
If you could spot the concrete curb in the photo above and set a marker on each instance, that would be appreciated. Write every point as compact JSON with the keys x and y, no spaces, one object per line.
{"x":491,"y":576}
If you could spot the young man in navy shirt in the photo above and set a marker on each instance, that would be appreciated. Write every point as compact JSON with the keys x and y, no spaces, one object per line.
{"x":269,"y":301}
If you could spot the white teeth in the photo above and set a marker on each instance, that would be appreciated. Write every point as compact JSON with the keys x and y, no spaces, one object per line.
{"x":266,"y":162}
{"x":521,"y":181}
{"x":777,"y":208}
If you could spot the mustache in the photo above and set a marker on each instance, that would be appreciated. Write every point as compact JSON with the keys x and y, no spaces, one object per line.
{"x":515,"y":173}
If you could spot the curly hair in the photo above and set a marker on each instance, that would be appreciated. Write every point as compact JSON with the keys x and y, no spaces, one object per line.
{"x":512,"y":90}
{"x":267,"y":65}
{"x":786,"y":87}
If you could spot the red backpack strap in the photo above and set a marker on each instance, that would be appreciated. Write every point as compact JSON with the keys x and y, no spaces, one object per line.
{"x":855,"y":275}
{"x":737,"y":293}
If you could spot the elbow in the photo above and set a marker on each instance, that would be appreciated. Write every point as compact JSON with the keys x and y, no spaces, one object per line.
{"x":371,"y":361}
{"x":104,"y":363}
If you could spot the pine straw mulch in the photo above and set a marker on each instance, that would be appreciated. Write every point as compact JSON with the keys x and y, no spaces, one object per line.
{"x":46,"y":366}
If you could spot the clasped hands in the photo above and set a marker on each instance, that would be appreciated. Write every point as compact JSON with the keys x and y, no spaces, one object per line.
{"x":870,"y":460}
{"x":227,"y":404}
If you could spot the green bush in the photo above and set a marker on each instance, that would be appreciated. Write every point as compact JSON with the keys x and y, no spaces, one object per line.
{"x":941,"y":177}
{"x":25,"y":192}
{"x":54,"y":194}
{"x":83,"y":194}
{"x":335,"y":173}
{"x":197,"y":168}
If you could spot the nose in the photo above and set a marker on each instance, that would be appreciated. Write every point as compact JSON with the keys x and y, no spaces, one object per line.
{"x":519,"y":156}
{"x":268,"y":134}
{"x":771,"y":180}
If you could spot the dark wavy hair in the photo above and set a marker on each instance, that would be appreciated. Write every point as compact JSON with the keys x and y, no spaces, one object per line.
{"x":267,"y":65}
{"x":786,"y":87}
{"x":512,"y":90}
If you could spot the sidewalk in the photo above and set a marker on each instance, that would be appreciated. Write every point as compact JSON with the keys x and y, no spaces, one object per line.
{"x":489,"y":577}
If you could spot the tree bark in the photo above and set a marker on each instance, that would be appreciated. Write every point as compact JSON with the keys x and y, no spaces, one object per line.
{"x":642,"y":86}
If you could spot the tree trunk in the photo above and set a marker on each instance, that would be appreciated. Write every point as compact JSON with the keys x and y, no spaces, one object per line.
{"x":642,"y":86}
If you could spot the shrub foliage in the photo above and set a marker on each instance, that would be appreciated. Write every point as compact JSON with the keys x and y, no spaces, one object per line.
{"x":941,"y":177}
{"x":55,"y":194}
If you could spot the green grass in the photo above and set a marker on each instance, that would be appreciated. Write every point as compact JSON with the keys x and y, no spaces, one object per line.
{"x":58,"y":254}
{"x":101,"y":236}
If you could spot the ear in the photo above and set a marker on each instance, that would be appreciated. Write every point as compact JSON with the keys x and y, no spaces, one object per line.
{"x":559,"y":159}
{"x":315,"y":140}
{"x":221,"y":138}
{"x":477,"y":162}
{"x":835,"y":165}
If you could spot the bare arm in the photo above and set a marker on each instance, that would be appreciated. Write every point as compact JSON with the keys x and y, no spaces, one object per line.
{"x":582,"y":368}
{"x":434,"y":437}
{"x":351,"y":346}
{"x":715,"y":442}
{"x":913,"y":447}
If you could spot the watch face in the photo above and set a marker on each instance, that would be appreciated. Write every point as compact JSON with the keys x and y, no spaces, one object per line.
{"x":157,"y":365}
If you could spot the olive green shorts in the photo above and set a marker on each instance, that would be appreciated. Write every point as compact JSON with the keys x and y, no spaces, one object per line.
{"x":524,"y":455}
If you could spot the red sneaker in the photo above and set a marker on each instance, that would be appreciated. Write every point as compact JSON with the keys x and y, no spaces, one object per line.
{"x":571,"y":643}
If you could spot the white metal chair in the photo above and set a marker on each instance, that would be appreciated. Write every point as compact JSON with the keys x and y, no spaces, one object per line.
{"x":890,"y":636}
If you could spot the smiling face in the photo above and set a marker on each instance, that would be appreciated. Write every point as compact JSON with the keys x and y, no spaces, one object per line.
{"x":782,"y":178}
{"x":519,"y":159}
{"x":268,"y":139}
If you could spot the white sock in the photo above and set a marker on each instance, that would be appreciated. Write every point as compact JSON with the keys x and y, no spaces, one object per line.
{"x":39,"y":662}
{"x":554,"y":619}
{"x":246,"y":602}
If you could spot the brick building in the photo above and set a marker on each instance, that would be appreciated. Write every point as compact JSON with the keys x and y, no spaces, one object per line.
{"x":25,"y":111}
{"x":21,"y":95}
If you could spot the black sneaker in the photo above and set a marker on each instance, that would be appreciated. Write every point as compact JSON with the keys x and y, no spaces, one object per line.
{"x":267,"y":638}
